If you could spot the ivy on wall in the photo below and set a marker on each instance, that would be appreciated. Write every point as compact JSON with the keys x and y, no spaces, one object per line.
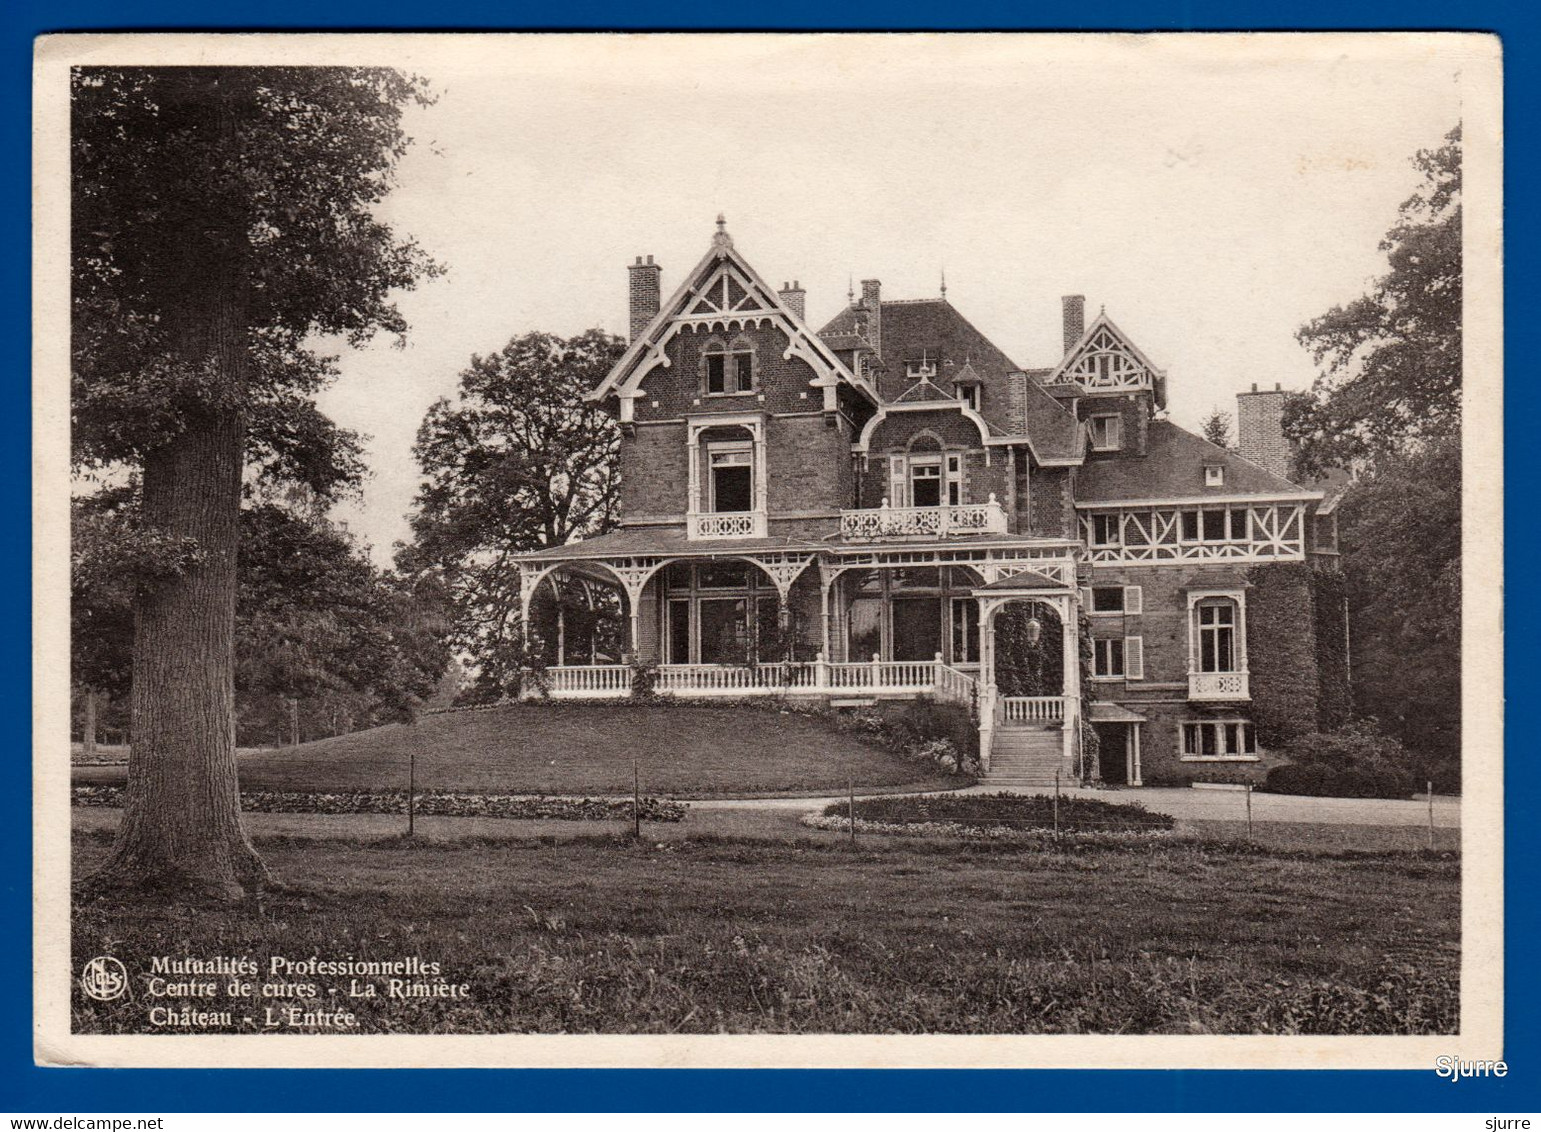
{"x":1336,"y":704}
{"x":1091,"y":742}
{"x":1024,"y":667}
{"x":1282,"y":658}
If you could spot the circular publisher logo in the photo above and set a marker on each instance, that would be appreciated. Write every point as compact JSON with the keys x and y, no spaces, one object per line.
{"x":104,"y":978}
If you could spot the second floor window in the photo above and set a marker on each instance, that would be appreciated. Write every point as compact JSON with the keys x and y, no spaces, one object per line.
{"x":1217,"y":636}
{"x":730,"y":369}
{"x":931,"y":479}
{"x":1106,"y":529}
{"x":732,"y":478}
{"x":1217,"y":525}
{"x":926,"y":484}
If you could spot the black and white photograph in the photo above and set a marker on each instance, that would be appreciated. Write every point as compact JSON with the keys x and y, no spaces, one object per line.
{"x":769,"y":550}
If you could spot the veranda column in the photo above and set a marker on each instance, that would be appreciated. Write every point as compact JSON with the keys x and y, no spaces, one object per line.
{"x":986,"y":680}
{"x":761,"y":504}
{"x":825,"y":584}
{"x":1070,"y":632}
{"x":693,"y":462}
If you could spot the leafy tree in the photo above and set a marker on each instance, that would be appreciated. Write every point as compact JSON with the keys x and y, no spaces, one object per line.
{"x":221,"y":217}
{"x":1388,"y":405}
{"x":315,"y":622}
{"x":1217,"y":427}
{"x":519,"y":460}
{"x":1401,"y":531}
{"x":1392,"y":358}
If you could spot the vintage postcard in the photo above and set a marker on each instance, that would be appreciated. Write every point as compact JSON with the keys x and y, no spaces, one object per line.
{"x":842,"y":550}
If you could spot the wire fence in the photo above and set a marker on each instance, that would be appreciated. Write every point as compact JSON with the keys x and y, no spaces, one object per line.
{"x":631,"y":795}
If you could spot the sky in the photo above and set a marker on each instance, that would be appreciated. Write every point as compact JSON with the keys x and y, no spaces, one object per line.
{"x":1213,"y":193}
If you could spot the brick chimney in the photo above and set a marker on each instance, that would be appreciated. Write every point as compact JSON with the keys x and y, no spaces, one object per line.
{"x":1075,"y":319}
{"x":1260,"y":430}
{"x":872,"y":299}
{"x":794,"y":298}
{"x":646,"y":288}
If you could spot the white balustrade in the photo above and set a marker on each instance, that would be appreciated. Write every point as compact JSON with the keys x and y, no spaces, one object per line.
{"x":588,"y":681}
{"x":727,"y":524}
{"x":1218,"y":686}
{"x":1032,"y":709}
{"x":951,"y":685}
{"x":923,"y":522}
{"x":815,"y":677}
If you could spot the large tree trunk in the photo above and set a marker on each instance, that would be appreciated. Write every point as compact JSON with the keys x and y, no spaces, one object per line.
{"x":181,"y":833}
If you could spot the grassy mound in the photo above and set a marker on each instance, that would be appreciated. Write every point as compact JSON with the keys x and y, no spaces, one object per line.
{"x":1008,"y":811}
{"x":681,"y":750}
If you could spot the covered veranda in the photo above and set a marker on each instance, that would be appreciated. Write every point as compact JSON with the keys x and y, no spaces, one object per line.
{"x":778,"y":616}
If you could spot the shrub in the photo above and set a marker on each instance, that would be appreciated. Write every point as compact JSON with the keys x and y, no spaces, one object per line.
{"x":644,"y":680}
{"x":1358,"y":760}
{"x":923,"y":721}
{"x":429,"y":802}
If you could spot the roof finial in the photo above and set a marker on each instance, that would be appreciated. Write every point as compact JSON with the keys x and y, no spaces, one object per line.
{"x":944,"y":282}
{"x":722,"y":239}
{"x":850,"y":290}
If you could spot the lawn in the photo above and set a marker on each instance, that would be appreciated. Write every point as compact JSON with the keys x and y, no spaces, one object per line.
{"x":721,"y":934}
{"x":681,"y":750}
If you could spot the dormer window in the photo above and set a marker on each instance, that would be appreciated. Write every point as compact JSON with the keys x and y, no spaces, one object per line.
{"x":969,"y":395}
{"x":729,"y":369}
{"x":1106,"y":432}
{"x":924,"y":367}
{"x":1214,"y":475}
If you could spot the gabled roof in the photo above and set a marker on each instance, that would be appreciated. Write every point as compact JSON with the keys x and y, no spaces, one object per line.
{"x":1173,"y":468}
{"x":1127,"y":365}
{"x":1025,"y":580}
{"x":923,"y":390}
{"x":968,"y":375}
{"x":745,"y":296}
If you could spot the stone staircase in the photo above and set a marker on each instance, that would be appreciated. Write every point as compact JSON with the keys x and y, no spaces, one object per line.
{"x":1027,"y":755}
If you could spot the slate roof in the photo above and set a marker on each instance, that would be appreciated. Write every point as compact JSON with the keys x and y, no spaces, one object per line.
{"x":933,"y":328}
{"x":1104,"y":712}
{"x":661,"y":540}
{"x":1173,"y":468}
{"x":670,"y":542}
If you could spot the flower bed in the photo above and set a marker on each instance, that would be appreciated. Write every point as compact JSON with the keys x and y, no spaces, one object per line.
{"x":431,"y":803}
{"x":996,"y":816}
{"x":1038,"y":835}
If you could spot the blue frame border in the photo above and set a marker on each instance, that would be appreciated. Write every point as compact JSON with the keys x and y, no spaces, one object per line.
{"x":24,"y":1087}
